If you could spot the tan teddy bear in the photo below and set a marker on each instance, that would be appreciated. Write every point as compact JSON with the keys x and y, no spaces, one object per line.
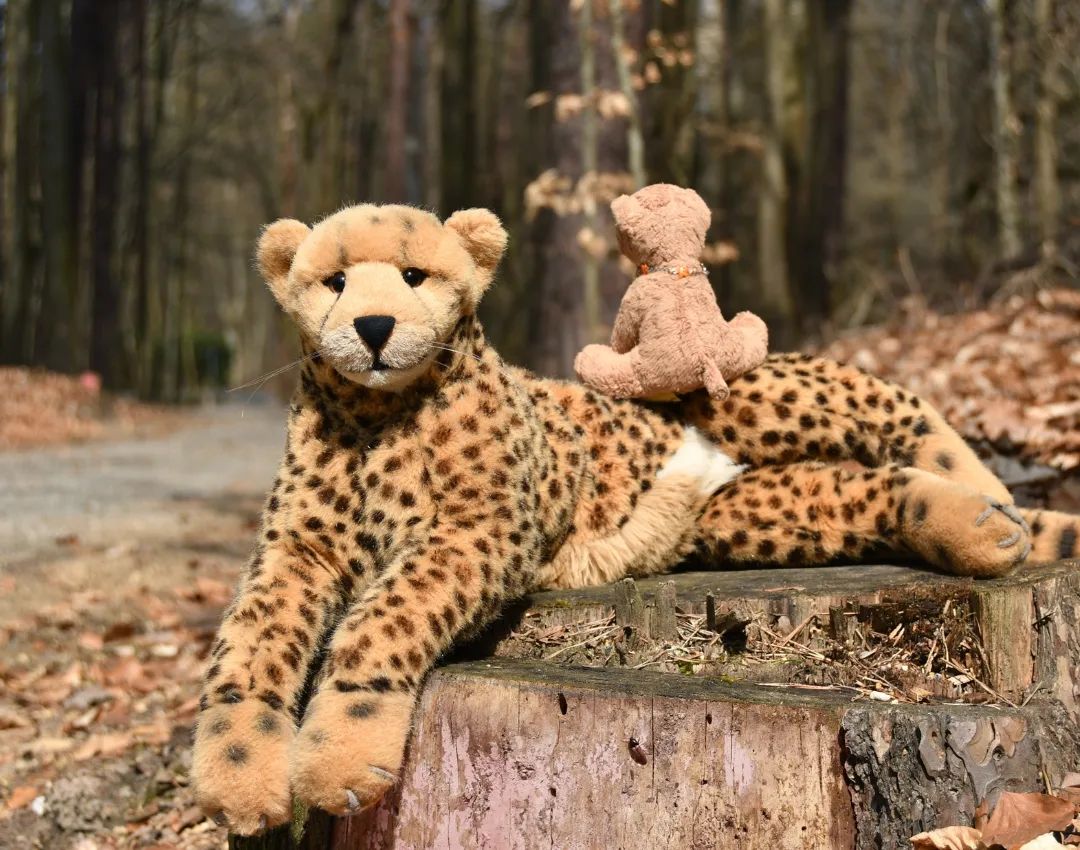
{"x":669,"y":335}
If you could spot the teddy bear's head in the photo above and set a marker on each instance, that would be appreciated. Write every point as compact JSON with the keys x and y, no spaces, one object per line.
{"x":661,"y":224}
{"x":377,"y":290}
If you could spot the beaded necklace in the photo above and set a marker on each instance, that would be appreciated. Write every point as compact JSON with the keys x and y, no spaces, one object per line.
{"x":678,"y":271}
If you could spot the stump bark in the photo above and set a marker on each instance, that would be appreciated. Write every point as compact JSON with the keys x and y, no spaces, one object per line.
{"x":512,"y":752}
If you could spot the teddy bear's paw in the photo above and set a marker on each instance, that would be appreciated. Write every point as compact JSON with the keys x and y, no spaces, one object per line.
{"x":350,"y":749}
{"x":240,"y":765}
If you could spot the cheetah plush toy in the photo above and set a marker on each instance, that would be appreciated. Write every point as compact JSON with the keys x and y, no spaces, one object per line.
{"x":426,"y":483}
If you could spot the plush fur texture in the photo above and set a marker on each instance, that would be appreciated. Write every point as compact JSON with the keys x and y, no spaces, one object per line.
{"x":426,"y":483}
{"x":669,"y":336}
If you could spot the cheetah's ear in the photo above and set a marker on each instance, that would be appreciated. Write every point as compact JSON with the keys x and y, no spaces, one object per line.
{"x":484,"y":238}
{"x":277,"y":247}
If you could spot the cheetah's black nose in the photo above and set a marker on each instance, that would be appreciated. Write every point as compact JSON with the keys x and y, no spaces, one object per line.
{"x":374,"y":330}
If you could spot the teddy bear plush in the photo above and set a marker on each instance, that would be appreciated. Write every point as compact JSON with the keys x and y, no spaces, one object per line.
{"x":669,"y":336}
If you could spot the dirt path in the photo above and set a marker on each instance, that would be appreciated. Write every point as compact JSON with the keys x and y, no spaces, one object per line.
{"x":99,"y":491}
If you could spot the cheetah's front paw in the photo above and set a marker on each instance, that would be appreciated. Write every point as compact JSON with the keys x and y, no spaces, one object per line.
{"x":350,"y":749}
{"x":240,"y":765}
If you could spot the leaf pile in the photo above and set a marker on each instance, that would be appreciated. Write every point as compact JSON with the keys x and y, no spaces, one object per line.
{"x":1008,"y":375}
{"x":39,"y":408}
{"x":1018,"y":822}
{"x":97,"y":698}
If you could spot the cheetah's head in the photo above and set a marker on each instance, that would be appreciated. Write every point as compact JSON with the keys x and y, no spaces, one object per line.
{"x":377,"y":290}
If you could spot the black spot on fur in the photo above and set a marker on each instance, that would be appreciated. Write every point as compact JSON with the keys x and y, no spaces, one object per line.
{"x":266,"y":723}
{"x":360,"y":710}
{"x":1067,"y":542}
{"x":236,"y":753}
{"x":220,"y":726}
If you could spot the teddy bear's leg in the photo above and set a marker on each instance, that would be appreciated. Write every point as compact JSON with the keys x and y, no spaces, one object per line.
{"x":613,"y":374}
{"x":750,"y":342}
{"x":715,"y":385}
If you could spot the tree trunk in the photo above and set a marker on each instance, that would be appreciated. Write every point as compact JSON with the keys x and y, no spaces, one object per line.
{"x":1047,"y":190}
{"x":27,"y":298}
{"x":5,"y":41}
{"x":459,"y":117}
{"x":1006,"y":131}
{"x":635,"y":143}
{"x":589,"y":152}
{"x":140,"y":221}
{"x":778,"y":308}
{"x":944,"y":225}
{"x":397,"y":104}
{"x":105,"y":350}
{"x":821,"y":191}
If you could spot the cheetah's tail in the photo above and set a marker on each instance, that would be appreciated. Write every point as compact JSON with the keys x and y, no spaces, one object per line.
{"x":1055,"y":536}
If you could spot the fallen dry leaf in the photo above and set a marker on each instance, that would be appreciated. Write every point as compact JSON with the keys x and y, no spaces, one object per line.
{"x":21,"y":796}
{"x":1019,"y":818}
{"x":948,"y":838}
{"x":109,"y":744}
{"x":1005,"y":375}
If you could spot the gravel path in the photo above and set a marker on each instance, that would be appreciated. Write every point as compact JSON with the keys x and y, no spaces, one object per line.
{"x":131,"y":488}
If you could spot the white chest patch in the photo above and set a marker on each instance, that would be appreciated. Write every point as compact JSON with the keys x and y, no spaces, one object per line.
{"x":701,"y":459}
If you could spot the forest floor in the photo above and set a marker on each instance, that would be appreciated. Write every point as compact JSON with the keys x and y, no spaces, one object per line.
{"x":118,"y":556}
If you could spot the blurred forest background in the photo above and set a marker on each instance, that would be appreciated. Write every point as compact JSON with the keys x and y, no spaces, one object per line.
{"x":854,"y":152}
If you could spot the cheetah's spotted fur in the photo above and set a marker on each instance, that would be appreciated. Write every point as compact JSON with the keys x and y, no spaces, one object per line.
{"x":405,"y":517}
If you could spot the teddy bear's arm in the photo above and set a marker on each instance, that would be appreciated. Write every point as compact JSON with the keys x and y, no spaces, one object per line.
{"x":624,"y":332}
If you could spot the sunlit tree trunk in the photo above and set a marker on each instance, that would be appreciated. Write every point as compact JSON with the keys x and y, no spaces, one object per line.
{"x":591,"y":264}
{"x":1006,"y":131}
{"x":288,"y":122}
{"x":772,"y":254}
{"x":1047,"y":190}
{"x":635,"y":143}
{"x":942,"y":176}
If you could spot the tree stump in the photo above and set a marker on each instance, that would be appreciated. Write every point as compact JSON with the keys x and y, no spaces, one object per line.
{"x":520,"y":752}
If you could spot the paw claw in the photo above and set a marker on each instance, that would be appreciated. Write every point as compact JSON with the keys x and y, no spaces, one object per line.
{"x":1011,"y":540}
{"x":384,"y":775}
{"x":351,"y":800}
{"x":1012,"y":513}
{"x":262,"y":823}
{"x":985,"y":515}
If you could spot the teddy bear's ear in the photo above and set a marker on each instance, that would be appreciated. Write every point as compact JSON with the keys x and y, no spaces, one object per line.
{"x":622,"y":207}
{"x":277,"y":247}
{"x":483,"y":236}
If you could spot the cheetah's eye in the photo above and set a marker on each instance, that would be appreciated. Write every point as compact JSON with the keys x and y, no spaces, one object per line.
{"x":336,"y":282}
{"x":413,"y":276}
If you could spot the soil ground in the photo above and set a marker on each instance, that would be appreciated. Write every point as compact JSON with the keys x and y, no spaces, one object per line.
{"x":116,"y":558}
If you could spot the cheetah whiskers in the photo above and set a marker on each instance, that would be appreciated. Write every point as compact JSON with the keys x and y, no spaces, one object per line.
{"x":273,"y":373}
{"x":455,"y":351}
